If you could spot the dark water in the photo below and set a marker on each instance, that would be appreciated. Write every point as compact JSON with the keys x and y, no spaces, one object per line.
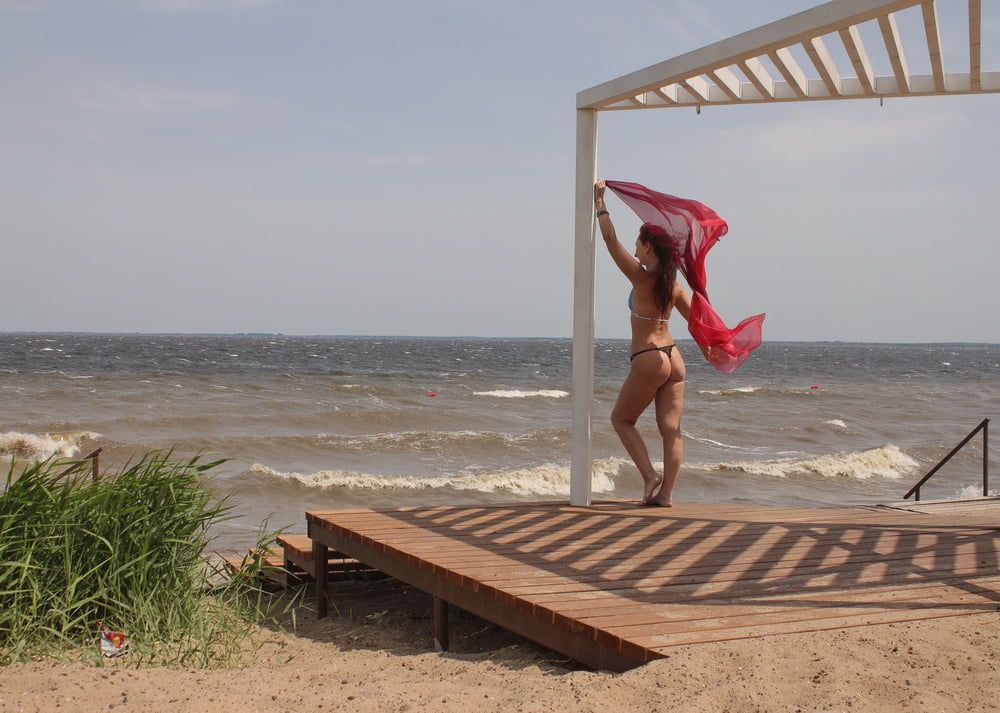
{"x":346,"y":421}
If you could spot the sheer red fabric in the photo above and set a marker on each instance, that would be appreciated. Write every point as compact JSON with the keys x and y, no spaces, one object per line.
{"x":694,"y":228}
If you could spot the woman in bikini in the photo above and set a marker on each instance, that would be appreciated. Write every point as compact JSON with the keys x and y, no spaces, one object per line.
{"x":657,"y":368}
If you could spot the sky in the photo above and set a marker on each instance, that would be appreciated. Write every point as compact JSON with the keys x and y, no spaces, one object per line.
{"x":399,"y":168}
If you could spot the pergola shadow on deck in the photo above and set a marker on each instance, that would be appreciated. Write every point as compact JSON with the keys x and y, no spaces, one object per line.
{"x":614,"y":585}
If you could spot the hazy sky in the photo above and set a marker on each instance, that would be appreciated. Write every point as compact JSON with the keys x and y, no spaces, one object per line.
{"x":407,"y":168}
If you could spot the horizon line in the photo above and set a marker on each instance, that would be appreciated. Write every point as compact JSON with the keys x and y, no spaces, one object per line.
{"x":462,"y":336}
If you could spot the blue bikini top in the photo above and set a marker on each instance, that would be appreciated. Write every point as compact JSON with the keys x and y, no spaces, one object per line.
{"x":642,"y":316}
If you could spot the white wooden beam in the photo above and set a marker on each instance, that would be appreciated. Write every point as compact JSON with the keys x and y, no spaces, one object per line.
{"x":790,"y":70}
{"x":859,"y":57}
{"x":581,"y":453}
{"x":698,"y":88}
{"x":726,"y":80}
{"x":821,"y":59}
{"x":638,"y":100}
{"x":929,"y":10}
{"x":921,"y":85}
{"x":975,"y":40}
{"x":814,"y":22}
{"x":758,"y":75}
{"x":890,"y":34}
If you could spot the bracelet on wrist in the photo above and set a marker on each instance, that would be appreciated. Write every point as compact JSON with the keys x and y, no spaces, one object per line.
{"x":602,"y":211}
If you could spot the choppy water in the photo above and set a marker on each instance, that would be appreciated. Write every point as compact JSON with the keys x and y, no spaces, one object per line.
{"x":319,"y":422}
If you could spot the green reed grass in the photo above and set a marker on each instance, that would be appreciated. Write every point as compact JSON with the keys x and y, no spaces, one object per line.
{"x":127,"y":550}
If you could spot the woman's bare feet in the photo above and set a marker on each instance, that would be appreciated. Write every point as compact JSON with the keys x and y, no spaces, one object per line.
{"x":649,"y":487}
{"x":661,"y":502}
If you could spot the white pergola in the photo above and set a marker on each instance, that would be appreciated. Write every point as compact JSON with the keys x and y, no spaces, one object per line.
{"x":731,"y":72}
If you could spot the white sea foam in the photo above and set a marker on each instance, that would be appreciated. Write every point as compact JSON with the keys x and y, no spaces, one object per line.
{"x":34,"y":447}
{"x":885,"y":462}
{"x":733,"y":391}
{"x":836,"y":424}
{"x":975,"y":491}
{"x":547,"y":479}
{"x":518,"y":394}
{"x":720,"y":444}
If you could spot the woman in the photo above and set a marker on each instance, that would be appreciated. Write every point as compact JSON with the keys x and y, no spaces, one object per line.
{"x":657,"y":370}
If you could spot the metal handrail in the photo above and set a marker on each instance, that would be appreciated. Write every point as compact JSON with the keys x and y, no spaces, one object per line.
{"x":92,"y":457}
{"x":983,"y":426}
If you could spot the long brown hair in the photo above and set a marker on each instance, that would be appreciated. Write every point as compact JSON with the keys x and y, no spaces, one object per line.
{"x":666,"y":263}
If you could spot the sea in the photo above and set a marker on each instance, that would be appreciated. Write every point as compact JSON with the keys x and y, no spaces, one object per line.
{"x":373,"y":422}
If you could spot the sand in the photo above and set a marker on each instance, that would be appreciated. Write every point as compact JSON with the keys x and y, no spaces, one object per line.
{"x":375,"y":655}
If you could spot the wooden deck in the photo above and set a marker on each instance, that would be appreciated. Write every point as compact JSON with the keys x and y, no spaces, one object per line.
{"x":616,"y":585}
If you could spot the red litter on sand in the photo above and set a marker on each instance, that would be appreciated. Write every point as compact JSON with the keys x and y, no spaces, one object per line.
{"x":814,"y":386}
{"x":431,"y":394}
{"x":113,"y":643}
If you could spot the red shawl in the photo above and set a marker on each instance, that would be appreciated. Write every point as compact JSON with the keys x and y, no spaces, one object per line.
{"x":694,"y":228}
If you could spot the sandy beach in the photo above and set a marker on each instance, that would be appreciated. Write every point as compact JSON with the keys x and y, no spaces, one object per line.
{"x":363,"y":660}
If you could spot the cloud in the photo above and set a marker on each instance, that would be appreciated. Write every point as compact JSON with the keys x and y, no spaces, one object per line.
{"x":178,"y":6}
{"x":155,"y":100}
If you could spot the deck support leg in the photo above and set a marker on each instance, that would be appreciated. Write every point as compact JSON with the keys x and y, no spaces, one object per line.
{"x":319,"y":558}
{"x":440,"y":624}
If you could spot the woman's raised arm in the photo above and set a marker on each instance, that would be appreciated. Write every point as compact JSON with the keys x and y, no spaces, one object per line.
{"x":625,"y":261}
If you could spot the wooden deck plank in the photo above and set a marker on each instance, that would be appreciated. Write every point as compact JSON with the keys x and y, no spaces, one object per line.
{"x":726,"y":605}
{"x":615,"y":584}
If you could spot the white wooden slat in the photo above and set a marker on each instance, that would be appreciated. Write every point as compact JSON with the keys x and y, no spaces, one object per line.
{"x":667,"y":94}
{"x":821,"y":59}
{"x":758,"y":75}
{"x":859,"y":57}
{"x":726,"y":80}
{"x":790,"y":70}
{"x":929,"y":10}
{"x":975,"y":44}
{"x":698,"y":87}
{"x":890,"y":34}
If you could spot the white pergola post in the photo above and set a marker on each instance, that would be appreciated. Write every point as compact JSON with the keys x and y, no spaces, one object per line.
{"x":583,"y":307}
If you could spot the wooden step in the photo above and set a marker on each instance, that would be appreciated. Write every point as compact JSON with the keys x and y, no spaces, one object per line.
{"x":292,"y":563}
{"x":272,"y":566}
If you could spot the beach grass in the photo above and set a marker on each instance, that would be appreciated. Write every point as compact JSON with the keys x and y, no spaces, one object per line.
{"x":127,"y":550}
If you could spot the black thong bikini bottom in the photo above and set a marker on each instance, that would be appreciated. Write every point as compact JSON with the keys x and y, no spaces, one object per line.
{"x":668,"y":349}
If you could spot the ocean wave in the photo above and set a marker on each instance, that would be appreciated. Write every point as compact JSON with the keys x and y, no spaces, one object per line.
{"x":518,"y":394}
{"x":14,"y":444}
{"x":438,"y":440}
{"x":735,"y":391}
{"x":739,"y":391}
{"x":885,"y":462}
{"x":546,"y":479}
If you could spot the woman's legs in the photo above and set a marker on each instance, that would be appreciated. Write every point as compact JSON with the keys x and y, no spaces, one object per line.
{"x":647,"y":373}
{"x":669,"y":403}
